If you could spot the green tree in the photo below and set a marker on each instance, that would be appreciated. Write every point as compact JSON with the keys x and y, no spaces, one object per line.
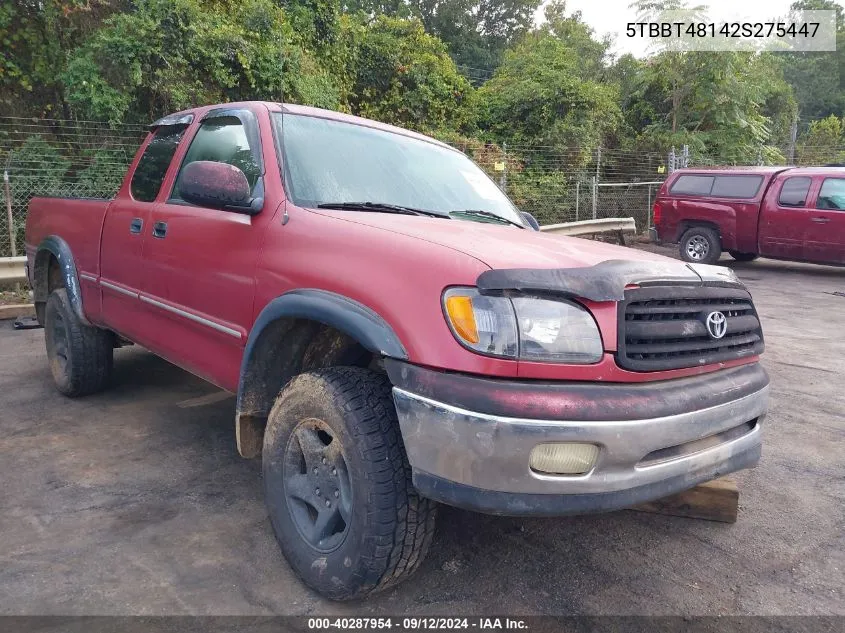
{"x":819,"y":78}
{"x":404,"y":76}
{"x":36,"y":38}
{"x":824,"y":142}
{"x":541,"y":96}
{"x":476,"y":32}
{"x":171,"y":54}
{"x":733,"y":106}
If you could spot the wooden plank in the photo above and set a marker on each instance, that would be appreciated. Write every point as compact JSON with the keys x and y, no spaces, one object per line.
{"x":201,"y":401}
{"x":716,"y":500}
{"x":15,"y":311}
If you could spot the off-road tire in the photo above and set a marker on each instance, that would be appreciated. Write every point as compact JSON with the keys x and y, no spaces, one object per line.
{"x":743,"y":257}
{"x":81,"y":357}
{"x":389,"y":528}
{"x":700,"y":245}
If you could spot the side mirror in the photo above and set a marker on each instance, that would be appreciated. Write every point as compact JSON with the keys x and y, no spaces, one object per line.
{"x":531,"y":220}
{"x":218,"y":185}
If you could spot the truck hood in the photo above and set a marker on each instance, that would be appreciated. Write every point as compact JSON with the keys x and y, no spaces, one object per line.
{"x":527,"y":260}
{"x":500,"y":246}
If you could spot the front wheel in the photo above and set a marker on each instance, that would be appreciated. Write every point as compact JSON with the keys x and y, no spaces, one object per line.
{"x":700,"y":245}
{"x":337,"y":484}
{"x":743,"y":257}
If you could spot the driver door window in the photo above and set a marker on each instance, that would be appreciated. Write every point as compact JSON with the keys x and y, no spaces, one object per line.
{"x":223,"y":140}
{"x":832,"y":195}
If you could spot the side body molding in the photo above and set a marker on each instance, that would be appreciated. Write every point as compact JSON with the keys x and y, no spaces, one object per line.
{"x":56,"y":246}
{"x":276,"y":348}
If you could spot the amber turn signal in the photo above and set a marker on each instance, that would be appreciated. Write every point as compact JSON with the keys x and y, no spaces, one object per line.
{"x":459,"y":309}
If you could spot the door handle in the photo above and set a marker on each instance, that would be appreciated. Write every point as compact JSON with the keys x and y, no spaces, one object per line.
{"x":821,"y":220}
{"x":160,"y":230}
{"x":136,"y":225}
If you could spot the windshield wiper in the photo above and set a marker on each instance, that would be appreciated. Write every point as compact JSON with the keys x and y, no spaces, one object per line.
{"x":480,"y":213}
{"x":379,"y":207}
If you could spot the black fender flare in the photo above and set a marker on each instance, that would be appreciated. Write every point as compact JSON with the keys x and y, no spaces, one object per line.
{"x":329,"y":308}
{"x":56,"y":246}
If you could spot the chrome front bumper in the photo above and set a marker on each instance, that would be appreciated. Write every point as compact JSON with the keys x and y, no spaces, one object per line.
{"x":481,"y":461}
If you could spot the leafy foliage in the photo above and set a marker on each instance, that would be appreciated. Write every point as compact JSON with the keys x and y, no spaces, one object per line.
{"x":819,"y":78}
{"x":547,"y":92}
{"x":405,"y":76}
{"x":476,"y":32}
{"x":824,"y":142}
{"x":170,"y":54}
{"x":555,"y":87}
{"x":728,"y":104}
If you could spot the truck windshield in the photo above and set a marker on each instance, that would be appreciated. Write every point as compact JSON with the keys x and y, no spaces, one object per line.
{"x":330,"y":163}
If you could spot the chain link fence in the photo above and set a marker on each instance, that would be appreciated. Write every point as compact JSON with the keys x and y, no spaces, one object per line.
{"x":44,"y":157}
{"x":52,"y":157}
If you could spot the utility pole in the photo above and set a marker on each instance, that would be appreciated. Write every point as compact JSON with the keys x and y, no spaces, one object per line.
{"x":9,"y":217}
{"x":577,"y":196}
{"x":504,"y":179}
{"x":793,"y":136}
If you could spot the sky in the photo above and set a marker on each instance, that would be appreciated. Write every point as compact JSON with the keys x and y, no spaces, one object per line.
{"x":612,"y":16}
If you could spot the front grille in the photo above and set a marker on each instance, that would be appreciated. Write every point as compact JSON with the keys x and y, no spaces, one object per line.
{"x":664,"y":327}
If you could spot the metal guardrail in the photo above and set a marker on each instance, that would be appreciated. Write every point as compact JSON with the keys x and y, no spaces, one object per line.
{"x":590,"y":227}
{"x":12,"y":269}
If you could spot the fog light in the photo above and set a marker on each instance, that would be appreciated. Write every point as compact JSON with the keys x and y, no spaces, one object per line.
{"x":567,"y":458}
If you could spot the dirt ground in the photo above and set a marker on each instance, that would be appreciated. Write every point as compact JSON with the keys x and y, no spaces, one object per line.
{"x":135,"y":501}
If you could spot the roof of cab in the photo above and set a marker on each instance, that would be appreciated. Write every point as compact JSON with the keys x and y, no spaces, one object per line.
{"x":290,"y":108}
{"x":764,"y":170}
{"x":731,"y":169}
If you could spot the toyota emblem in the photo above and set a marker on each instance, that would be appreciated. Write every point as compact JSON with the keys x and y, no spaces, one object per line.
{"x":717,"y":324}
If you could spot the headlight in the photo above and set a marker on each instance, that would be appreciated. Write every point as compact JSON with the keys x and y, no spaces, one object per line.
{"x":528,"y":328}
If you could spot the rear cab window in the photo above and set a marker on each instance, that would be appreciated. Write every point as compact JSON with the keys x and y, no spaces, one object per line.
{"x":743,"y":186}
{"x":151,"y":169}
{"x":692,"y":185}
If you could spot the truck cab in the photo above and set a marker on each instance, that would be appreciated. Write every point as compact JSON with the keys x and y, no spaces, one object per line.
{"x":778,"y":212}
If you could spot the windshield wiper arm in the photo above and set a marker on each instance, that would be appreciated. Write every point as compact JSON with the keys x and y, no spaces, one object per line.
{"x":487,"y":214}
{"x":379,"y":207}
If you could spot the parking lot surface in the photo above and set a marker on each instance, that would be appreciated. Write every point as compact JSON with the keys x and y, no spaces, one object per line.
{"x":135,"y":501}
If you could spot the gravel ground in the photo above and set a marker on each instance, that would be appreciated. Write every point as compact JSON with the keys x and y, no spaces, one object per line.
{"x":135,"y":501}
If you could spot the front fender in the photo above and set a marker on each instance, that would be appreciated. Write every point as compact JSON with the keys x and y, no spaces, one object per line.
{"x":337,"y":311}
{"x":277,"y":342}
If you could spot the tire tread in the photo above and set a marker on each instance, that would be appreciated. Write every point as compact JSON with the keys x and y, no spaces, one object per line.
{"x":401,"y":522}
{"x":91,"y":350}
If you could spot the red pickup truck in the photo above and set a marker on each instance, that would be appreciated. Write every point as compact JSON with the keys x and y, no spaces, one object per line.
{"x":396,"y":333}
{"x":779,"y":212}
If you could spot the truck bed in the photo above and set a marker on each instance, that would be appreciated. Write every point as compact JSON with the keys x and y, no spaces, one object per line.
{"x":77,"y":220}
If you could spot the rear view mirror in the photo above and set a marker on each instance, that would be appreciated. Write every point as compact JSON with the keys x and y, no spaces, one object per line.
{"x":217,"y":185}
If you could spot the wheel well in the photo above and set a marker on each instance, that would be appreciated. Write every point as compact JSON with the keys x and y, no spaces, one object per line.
{"x":284,"y":348}
{"x":685,"y":225}
{"x":46,"y":278}
{"x":55,"y":279}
